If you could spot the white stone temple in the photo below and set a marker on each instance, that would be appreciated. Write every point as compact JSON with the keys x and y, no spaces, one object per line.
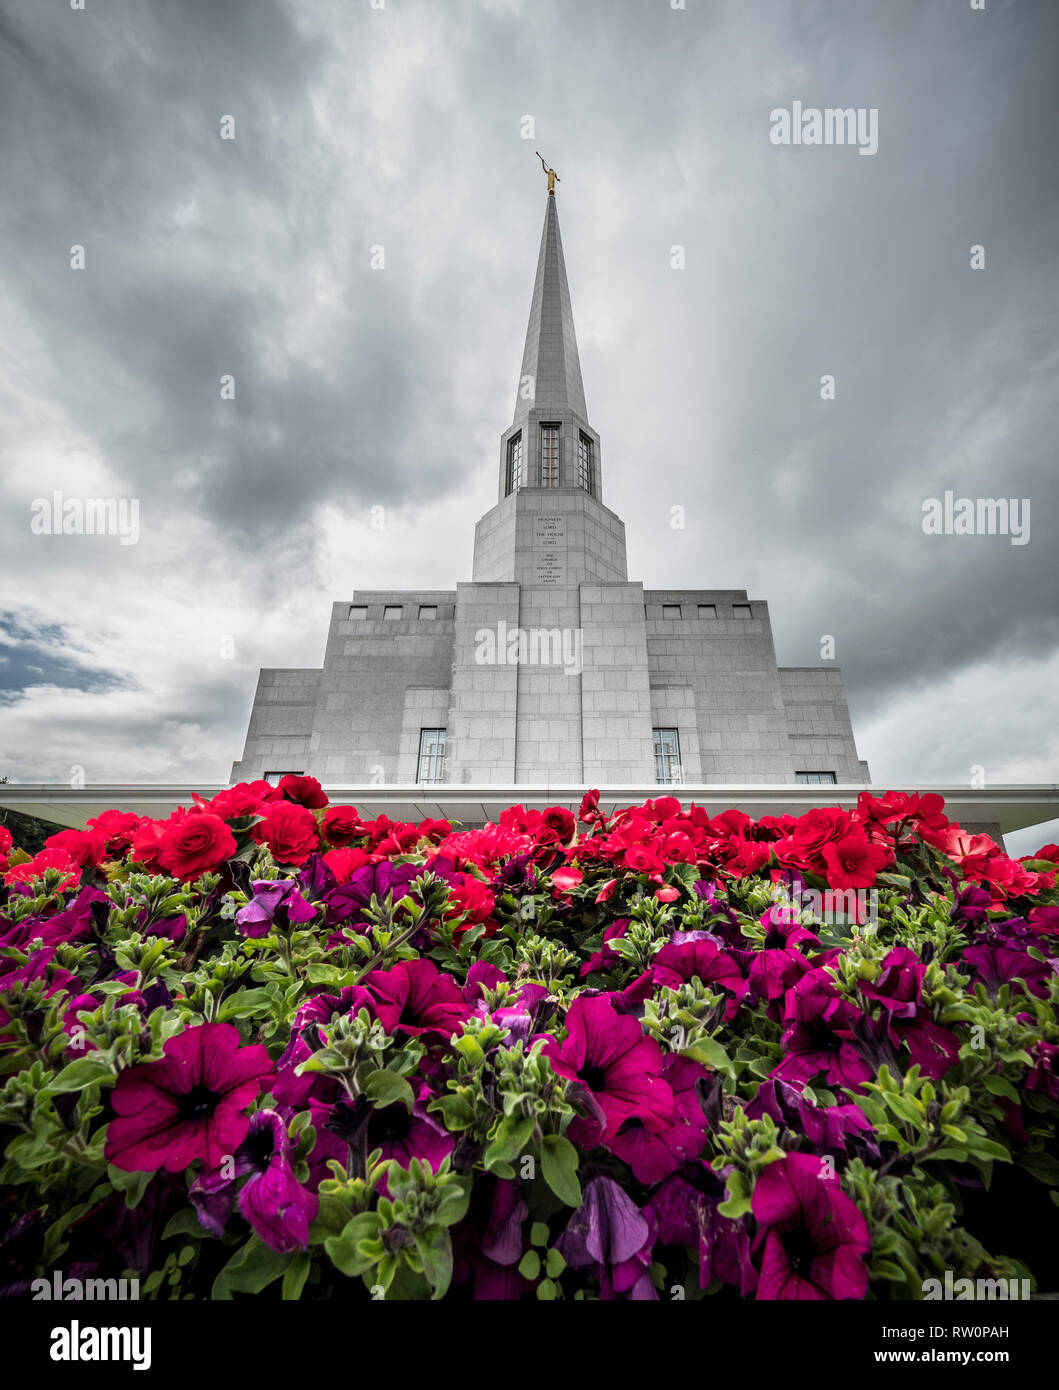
{"x":550,"y":666}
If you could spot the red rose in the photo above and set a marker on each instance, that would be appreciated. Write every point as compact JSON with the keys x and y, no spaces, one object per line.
{"x":815,"y":830}
{"x":401,"y":838}
{"x":117,"y":829}
{"x":342,"y":824}
{"x":305,"y":791}
{"x":289,"y":830}
{"x":434,"y":830}
{"x":194,"y":843}
{"x":85,"y":847}
{"x":561,"y":822}
{"x":263,"y":790}
{"x":589,"y":811}
{"x":147,"y":844}
{"x":643,"y":860}
{"x":472,"y":897}
{"x":236,"y":802}
{"x":5,"y":842}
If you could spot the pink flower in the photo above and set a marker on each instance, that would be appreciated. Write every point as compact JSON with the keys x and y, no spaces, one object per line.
{"x":621,"y":1067}
{"x":812,"y":1236}
{"x":188,"y":1105}
{"x":416,"y":998}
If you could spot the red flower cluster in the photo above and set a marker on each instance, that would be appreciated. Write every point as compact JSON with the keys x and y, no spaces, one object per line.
{"x":845,"y":849}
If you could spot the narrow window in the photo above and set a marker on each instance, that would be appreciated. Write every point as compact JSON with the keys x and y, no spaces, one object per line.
{"x":667,"y":756}
{"x":584,"y":462}
{"x":358,"y":611}
{"x":815,"y":779}
{"x":393,"y":610}
{"x":514,"y":463}
{"x":671,"y":610}
{"x":707,"y":610}
{"x":741,"y":610}
{"x":549,"y":455}
{"x":431,"y":755}
{"x":274,"y":777}
{"x":428,"y":610}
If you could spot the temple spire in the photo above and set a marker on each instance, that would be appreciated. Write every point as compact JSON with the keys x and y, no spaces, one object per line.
{"x":551,"y":369}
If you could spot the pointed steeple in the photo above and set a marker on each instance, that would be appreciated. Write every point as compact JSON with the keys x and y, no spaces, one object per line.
{"x":551,"y":369}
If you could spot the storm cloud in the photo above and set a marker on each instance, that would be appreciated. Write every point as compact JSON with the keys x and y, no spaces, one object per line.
{"x":364,"y":383}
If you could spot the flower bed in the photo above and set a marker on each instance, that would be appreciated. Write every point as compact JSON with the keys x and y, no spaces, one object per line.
{"x":263,"y":1047}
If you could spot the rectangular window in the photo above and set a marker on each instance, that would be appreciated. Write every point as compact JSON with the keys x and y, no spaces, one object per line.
{"x":514,"y":463}
{"x":741,"y":610}
{"x":584,"y":462}
{"x":358,"y":611}
{"x":707,"y":610}
{"x":549,"y":455}
{"x":671,"y":610}
{"x":667,"y":756}
{"x":428,"y":610}
{"x":274,"y":777}
{"x":393,"y":610}
{"x":431,"y":755}
{"x":815,"y":779}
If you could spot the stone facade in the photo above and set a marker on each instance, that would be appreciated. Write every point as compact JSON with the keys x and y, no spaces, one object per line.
{"x":551,"y":667}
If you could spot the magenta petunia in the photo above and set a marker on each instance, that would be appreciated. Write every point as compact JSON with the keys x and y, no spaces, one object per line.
{"x":653,"y":1154}
{"x":272,"y":1200}
{"x":416,"y":998}
{"x":621,"y":1068}
{"x":702,"y":959}
{"x":812,"y":1238}
{"x":820,"y":1036}
{"x":188,"y":1105}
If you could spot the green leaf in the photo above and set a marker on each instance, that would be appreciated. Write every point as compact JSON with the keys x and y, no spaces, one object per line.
{"x":134,"y":1185}
{"x":1000,"y":1086}
{"x":387,"y":1088}
{"x":710,"y":1053}
{"x":512,"y":1138}
{"x":86,"y":1071}
{"x":296,"y":1275}
{"x":530,"y":1265}
{"x":538,"y":1233}
{"x":546,"y":1291}
{"x":1043,"y":1166}
{"x":435,"y":1250}
{"x":559,"y":1168}
{"x":243,"y":1003}
{"x":252,"y":1268}
{"x":554,"y":1264}
{"x":344,"y":1249}
{"x":185,"y":1223}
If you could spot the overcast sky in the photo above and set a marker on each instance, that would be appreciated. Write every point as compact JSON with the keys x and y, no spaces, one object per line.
{"x":402,"y":127}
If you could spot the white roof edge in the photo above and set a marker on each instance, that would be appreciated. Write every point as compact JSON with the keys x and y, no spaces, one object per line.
{"x":1012,"y":807}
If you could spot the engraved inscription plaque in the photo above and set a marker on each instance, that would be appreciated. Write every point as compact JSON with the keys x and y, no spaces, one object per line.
{"x":549,"y":549}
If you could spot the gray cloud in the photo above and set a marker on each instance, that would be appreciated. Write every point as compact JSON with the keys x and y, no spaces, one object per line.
{"x":358,"y":388}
